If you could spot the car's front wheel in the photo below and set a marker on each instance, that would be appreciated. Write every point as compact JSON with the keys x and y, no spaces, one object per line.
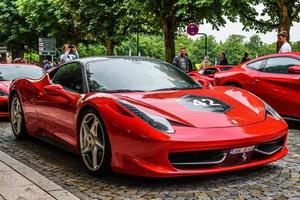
{"x":94,"y":143}
{"x":17,"y":118}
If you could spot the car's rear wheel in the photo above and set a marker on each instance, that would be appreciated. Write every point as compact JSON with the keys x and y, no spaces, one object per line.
{"x":94,"y":143}
{"x":17,"y":118}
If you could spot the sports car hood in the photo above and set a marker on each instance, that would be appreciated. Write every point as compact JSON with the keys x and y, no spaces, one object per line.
{"x":203,"y":108}
{"x":4,"y":85}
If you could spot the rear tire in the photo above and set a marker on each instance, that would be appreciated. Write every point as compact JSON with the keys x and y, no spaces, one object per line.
{"x":94,"y":143}
{"x":17,"y":118}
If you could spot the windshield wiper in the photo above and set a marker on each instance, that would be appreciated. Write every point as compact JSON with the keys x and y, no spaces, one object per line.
{"x":122,"y":90}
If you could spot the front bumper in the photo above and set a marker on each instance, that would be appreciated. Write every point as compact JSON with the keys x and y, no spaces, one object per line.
{"x":145,"y":156}
{"x":3,"y":106}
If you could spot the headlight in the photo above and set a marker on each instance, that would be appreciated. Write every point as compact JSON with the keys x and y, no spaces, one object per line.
{"x":3,"y":94}
{"x":156,"y":122}
{"x":272,"y":112}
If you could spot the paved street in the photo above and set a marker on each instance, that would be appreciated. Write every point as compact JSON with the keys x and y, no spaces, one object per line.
{"x":279,"y":180}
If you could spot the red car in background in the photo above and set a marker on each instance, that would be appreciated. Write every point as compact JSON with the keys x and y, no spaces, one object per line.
{"x":9,"y":72}
{"x":209,"y":72}
{"x":145,"y":117}
{"x":274,"y":78}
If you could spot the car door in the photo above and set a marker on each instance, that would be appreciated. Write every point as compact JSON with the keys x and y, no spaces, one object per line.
{"x":56,"y":106}
{"x":278,"y":87}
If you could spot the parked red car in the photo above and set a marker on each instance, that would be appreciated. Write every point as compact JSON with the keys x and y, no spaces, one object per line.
{"x":9,"y":72}
{"x":145,"y":117}
{"x":209,"y":72}
{"x":274,"y":78}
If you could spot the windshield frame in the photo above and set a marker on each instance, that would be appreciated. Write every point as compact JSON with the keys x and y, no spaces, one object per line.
{"x":135,"y":91}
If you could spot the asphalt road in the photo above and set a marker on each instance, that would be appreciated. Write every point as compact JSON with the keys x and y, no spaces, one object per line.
{"x":279,"y":180}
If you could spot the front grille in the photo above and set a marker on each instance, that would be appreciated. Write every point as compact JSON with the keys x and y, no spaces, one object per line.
{"x":268,"y":148}
{"x":224,"y":157}
{"x":4,"y":107}
{"x":196,"y":159}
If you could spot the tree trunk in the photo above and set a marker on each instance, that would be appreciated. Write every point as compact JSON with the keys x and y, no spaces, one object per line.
{"x":169,"y":28}
{"x":284,"y":20}
{"x":110,"y":46}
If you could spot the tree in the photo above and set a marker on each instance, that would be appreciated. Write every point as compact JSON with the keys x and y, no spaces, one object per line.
{"x":171,"y":14}
{"x":234,"y":48}
{"x":15,"y":32}
{"x":254,"y":46}
{"x":110,"y":21}
{"x":281,"y":14}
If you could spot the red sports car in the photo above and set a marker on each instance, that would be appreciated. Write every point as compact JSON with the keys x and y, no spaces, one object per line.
{"x":209,"y":72}
{"x":9,"y":72}
{"x":274,"y":78}
{"x":145,"y":117}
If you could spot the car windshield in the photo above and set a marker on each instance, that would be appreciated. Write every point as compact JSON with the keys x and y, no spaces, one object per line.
{"x":136,"y":74}
{"x":11,"y":72}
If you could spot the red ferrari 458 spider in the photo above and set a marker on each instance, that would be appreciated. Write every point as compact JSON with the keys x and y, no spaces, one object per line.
{"x":208,"y":73}
{"x":144,"y":117}
{"x":274,"y":78}
{"x":9,"y":72}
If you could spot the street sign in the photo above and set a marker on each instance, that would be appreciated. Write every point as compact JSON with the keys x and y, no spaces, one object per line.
{"x":47,"y":46}
{"x":192,"y":29}
{"x":3,"y":49}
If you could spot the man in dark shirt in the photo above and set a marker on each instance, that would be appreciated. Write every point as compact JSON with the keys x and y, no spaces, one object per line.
{"x":182,"y":61}
{"x":223,"y":59}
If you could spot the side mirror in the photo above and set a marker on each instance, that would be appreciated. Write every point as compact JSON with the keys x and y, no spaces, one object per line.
{"x":294,"y":69}
{"x":204,"y":82}
{"x":211,"y":75}
{"x":57,"y":90}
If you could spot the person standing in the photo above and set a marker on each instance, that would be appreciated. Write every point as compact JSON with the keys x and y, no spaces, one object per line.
{"x":245,"y":57}
{"x":182,"y":61}
{"x":70,"y":53}
{"x":282,"y":41}
{"x":223,"y":59}
{"x":206,"y":62}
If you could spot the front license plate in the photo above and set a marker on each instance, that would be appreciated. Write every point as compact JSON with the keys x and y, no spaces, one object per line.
{"x":242,"y":150}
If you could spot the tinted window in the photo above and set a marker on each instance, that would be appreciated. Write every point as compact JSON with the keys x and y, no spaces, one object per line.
{"x":280,"y":65}
{"x":257,"y":65}
{"x":124,"y":74}
{"x":70,"y":77}
{"x":11,"y":72}
{"x":210,"y":71}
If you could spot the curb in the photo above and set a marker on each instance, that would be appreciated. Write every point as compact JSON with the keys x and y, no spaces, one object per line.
{"x":41,"y":181}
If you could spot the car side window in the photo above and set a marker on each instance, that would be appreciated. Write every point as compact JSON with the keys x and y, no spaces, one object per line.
{"x":70,"y":77}
{"x":280,"y":65}
{"x":256,"y":65}
{"x":210,"y":71}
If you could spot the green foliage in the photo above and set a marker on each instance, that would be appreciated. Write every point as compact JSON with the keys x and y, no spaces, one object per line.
{"x":32,"y":57}
{"x":91,"y":50}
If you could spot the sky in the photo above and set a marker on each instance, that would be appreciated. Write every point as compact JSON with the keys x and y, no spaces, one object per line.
{"x":237,"y":28}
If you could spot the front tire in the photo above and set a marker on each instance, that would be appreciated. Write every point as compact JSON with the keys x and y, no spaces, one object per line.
{"x":94,"y":143}
{"x":17,"y":118}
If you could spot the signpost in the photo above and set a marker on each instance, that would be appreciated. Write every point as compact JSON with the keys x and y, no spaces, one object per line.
{"x":193,"y":29}
{"x":47,"y":47}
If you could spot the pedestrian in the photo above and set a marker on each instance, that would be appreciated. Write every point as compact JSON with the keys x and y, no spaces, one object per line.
{"x":70,"y":53}
{"x":206,"y":62}
{"x":46,"y":65}
{"x":282,"y":38}
{"x":223,"y":59}
{"x":245,"y":57}
{"x":182,"y":61}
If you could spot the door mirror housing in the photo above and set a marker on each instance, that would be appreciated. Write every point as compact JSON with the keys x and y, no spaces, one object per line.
{"x":211,"y":75}
{"x":59,"y":91}
{"x":294,"y":69}
{"x":204,"y":82}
